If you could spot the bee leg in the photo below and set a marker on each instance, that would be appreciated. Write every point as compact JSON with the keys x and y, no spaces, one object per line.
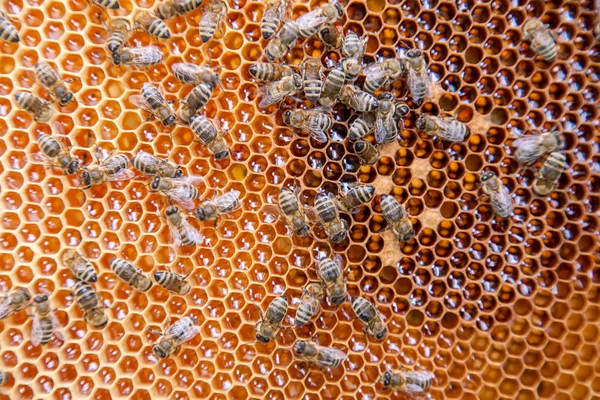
{"x":482,"y":196}
{"x":437,"y":143}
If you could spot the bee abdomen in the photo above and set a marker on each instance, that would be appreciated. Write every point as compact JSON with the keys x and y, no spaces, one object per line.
{"x":277,"y":309}
{"x":325,"y":208}
{"x":359,"y":129}
{"x":312,"y":89}
{"x":208,"y":26}
{"x":269,"y":29}
{"x":47,"y":328}
{"x":8,"y":32}
{"x":329,"y":271}
{"x":110,"y":4}
{"x":49,"y":145}
{"x":130,"y":274}
{"x":158,"y":28}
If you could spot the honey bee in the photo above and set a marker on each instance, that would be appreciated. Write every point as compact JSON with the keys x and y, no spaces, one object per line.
{"x":195,"y":100}
{"x":358,"y":100}
{"x":90,"y":303}
{"x":153,"y":101}
{"x":180,"y":230}
{"x":283,"y":41}
{"x":381,"y":74}
{"x":368,"y":315}
{"x":292,"y":210}
{"x":315,"y":121}
{"x":173,"y":8}
{"x":323,"y":357}
{"x":152,"y":25}
{"x":310,"y":303}
{"x":269,"y":71}
{"x":211,"y":19}
{"x":352,"y":44}
{"x":311,"y":22}
{"x":386,"y":122}
{"x":80,"y":266}
{"x":173,"y":282}
{"x":275,"y":92}
{"x":111,"y":169}
{"x":355,"y":197}
{"x":332,"y":86}
{"x":8,"y":32}
{"x":51,"y":81}
{"x":4,"y":377}
{"x":529,"y":148}
{"x":218,"y":206}
{"x":498,"y":194}
{"x":45,"y":322}
{"x":267,"y":327}
{"x":272,"y":17}
{"x":174,"y":336}
{"x":541,"y":39}
{"x":446,"y":128}
{"x":418,"y":81}
{"x":109,"y":4}
{"x":196,"y":74}
{"x":367,"y":153}
{"x":130,"y":274}
{"x":155,"y":166}
{"x":329,"y":217}
{"x":331,"y":272}
{"x":141,"y":57}
{"x":118,"y":31}
{"x":209,"y":136}
{"x":361,"y":126}
{"x":312,"y":74}
{"x":397,"y":218}
{"x":410,"y":382}
{"x":14,"y":302}
{"x":56,"y":153}
{"x":182,"y":189}
{"x":352,"y":65}
{"x":548,"y":174}
{"x":330,"y":35}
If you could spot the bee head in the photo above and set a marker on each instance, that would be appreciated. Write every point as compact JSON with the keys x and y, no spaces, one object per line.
{"x":413,"y":53}
{"x":178,"y":172}
{"x":86,"y":179}
{"x":297,"y":81}
{"x":170,"y":120}
{"x":73,"y":167}
{"x":116,"y":59}
{"x":386,"y":378}
{"x":360,"y":146}
{"x":409,"y":235}
{"x":385,"y":96}
{"x":262,"y":338}
{"x":222,"y":155}
{"x":381,"y":334}
{"x":487,"y":176}
{"x":299,"y":346}
{"x":158,"y":351}
{"x":200,"y":213}
{"x":337,"y":300}
{"x":339,"y":237}
{"x":253,"y":70}
{"x":66,"y":99}
{"x":171,"y":210}
{"x":155,"y":183}
{"x":287,"y":117}
{"x":113,"y":47}
{"x":40,"y":299}
{"x":421,"y":122}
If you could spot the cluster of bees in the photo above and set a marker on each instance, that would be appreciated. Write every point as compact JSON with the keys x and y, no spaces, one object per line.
{"x":380,"y":114}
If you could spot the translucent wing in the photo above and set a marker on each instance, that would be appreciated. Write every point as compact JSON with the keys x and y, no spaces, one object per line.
{"x":316,"y":132}
{"x":140,"y":102}
{"x":146,"y":55}
{"x":122,"y":175}
{"x":229,"y":201}
{"x":56,"y":325}
{"x":375,"y":71}
{"x":191,"y":179}
{"x":329,"y":355}
{"x":174,"y":236}
{"x":188,"y":335}
{"x":186,"y":73}
{"x":192,"y":232}
{"x":36,"y":330}
{"x":4,"y":308}
{"x":180,"y":195}
{"x":311,"y":20}
{"x":41,"y":158}
{"x":528,"y":148}
{"x":272,"y":95}
{"x":382,"y":123}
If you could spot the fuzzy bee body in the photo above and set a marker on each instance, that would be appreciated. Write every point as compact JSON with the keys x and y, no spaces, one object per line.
{"x":397,"y":218}
{"x":182,"y":189}
{"x":130,"y":274}
{"x":542,"y":41}
{"x":155,"y":166}
{"x":410,"y":382}
{"x":311,"y":22}
{"x":118,"y":31}
{"x":367,"y":153}
{"x":418,"y":80}
{"x":114,"y":168}
{"x":548,"y":174}
{"x":40,"y":109}
{"x":446,"y":128}
{"x":310,"y":303}
{"x":56,"y":153}
{"x":45,"y":324}
{"x":14,"y":302}
{"x":219,"y":205}
{"x":368,"y":315}
{"x":386,"y":122}
{"x":352,"y":44}
{"x":283,"y":41}
{"x":329,"y":217}
{"x":361,"y":127}
{"x":181,"y":232}
{"x":195,"y":100}
{"x":108,"y":4}
{"x":4,"y":377}
{"x":152,"y":25}
{"x":276,"y":92}
{"x":211,"y":19}
{"x":317,"y":122}
{"x":332,"y":86}
{"x":269,"y":71}
{"x":331,"y":36}
{"x":8,"y":32}
{"x":91,"y":303}
{"x":331,"y":273}
{"x":498,"y":194}
{"x":270,"y":322}
{"x":174,"y":336}
{"x":358,"y":100}
{"x":355,"y":197}
{"x":531,"y":147}
{"x":51,"y":81}
{"x":380,"y":74}
{"x":312,"y":75}
{"x":80,"y":266}
{"x":172,"y":8}
{"x":207,"y":133}
{"x":291,"y":209}
{"x":152,"y":100}
{"x":141,"y":57}
{"x":195,"y":74}
{"x":173,"y":282}
{"x":323,"y":357}
{"x":272,"y":18}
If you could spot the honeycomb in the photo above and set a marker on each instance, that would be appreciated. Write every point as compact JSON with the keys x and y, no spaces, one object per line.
{"x":495,"y":308}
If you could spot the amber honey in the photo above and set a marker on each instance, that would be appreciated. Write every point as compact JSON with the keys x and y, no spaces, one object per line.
{"x":495,"y":308}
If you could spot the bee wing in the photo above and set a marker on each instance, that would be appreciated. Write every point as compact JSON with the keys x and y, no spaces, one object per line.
{"x":192,"y":232}
{"x":174,"y":236}
{"x":36,"y":330}
{"x":146,"y":55}
{"x":229,"y":201}
{"x":380,"y":131}
{"x":527,"y":141}
{"x":185,"y":71}
{"x":316,"y":132}
{"x":272,"y":95}
{"x":191,"y":179}
{"x":188,"y":335}
{"x":140,"y":102}
{"x":375,"y":71}
{"x":122,"y":175}
{"x":527,"y":148}
{"x":41,"y":158}
{"x":147,"y":158}
{"x":311,"y":214}
{"x":311,"y":20}
{"x":331,"y":355}
{"x":58,"y":328}
{"x":178,"y":193}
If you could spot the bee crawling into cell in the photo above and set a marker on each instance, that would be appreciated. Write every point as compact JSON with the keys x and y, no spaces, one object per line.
{"x":174,"y":336}
{"x":412,"y":383}
{"x":499,"y":195}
